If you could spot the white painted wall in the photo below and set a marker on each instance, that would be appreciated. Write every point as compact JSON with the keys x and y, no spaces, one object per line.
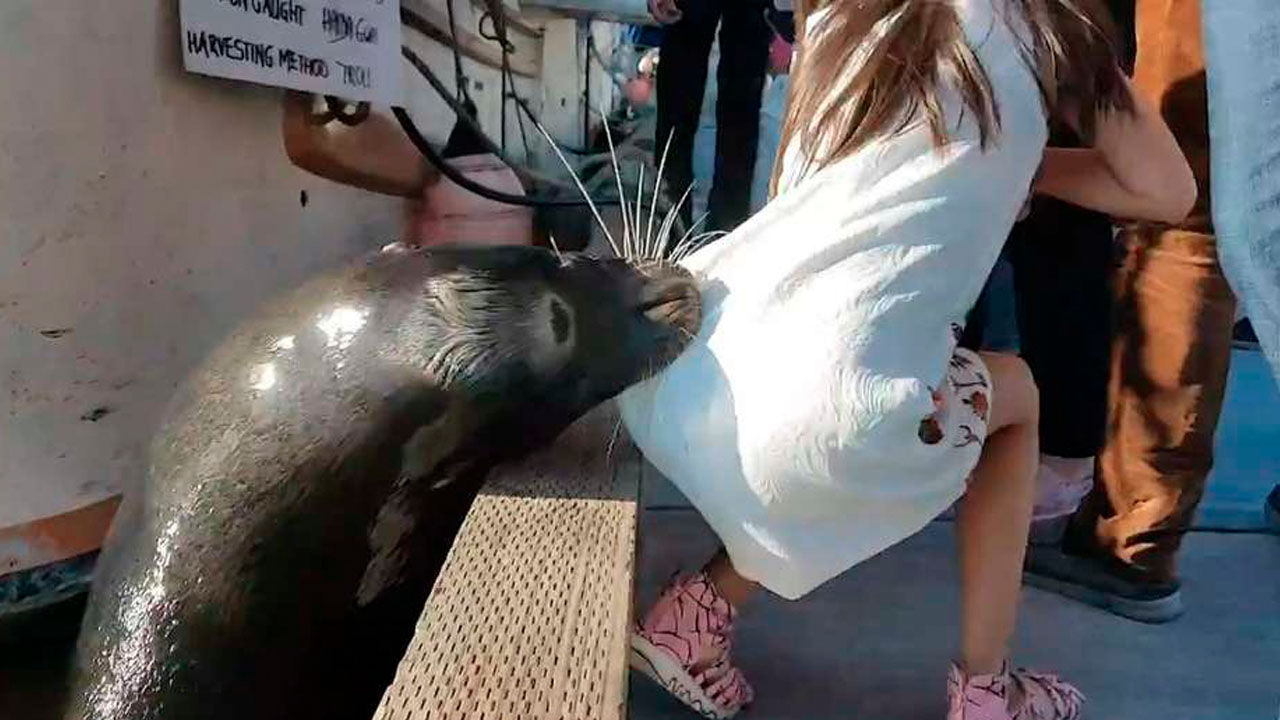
{"x":145,"y":210}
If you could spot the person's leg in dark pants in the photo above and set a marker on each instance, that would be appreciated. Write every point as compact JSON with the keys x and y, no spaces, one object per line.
{"x":975,"y":323}
{"x":681,"y":80}
{"x":1063,"y":259}
{"x":1169,"y":378}
{"x":1049,"y":299}
{"x":744,"y":57}
{"x":1169,"y":361}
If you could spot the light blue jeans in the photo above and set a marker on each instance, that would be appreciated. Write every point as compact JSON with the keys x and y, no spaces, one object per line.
{"x":1242,"y":64}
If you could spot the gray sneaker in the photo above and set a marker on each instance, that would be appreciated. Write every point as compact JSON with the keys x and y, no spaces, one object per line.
{"x":1243,"y":336}
{"x":1103,"y":583}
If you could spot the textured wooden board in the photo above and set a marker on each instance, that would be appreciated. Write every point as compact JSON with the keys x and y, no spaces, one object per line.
{"x":529,"y":617}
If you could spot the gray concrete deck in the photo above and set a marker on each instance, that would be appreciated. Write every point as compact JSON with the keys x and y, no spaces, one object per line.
{"x":875,"y":642}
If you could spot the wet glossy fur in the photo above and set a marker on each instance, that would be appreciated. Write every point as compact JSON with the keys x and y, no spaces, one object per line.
{"x":311,"y":475}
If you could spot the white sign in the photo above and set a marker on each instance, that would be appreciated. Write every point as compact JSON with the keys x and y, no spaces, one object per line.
{"x":349,"y":48}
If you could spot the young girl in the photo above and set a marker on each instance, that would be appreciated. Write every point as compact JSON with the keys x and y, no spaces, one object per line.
{"x":824,"y":412}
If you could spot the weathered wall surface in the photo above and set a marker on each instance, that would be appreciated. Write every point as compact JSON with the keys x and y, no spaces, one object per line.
{"x":143,"y":211}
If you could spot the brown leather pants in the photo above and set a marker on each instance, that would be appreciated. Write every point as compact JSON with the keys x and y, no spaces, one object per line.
{"x":1173,"y":322}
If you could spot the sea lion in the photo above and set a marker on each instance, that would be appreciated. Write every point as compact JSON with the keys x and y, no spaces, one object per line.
{"x":310,"y":477}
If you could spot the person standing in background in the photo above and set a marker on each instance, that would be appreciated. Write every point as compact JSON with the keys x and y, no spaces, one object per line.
{"x":773,"y":101}
{"x":1242,"y":65}
{"x":1169,"y":360}
{"x":682,"y":76}
{"x":1062,"y":259}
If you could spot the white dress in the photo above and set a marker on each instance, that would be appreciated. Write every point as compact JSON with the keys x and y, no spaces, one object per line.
{"x":796,"y":422}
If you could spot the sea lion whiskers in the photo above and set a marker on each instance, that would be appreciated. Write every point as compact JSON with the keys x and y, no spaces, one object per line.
{"x":595,"y":211}
{"x":687,"y":248}
{"x":662,"y":248}
{"x":650,"y":250}
{"x":627,"y":235}
{"x":677,"y":251}
{"x":636,"y":245}
{"x":613,"y":439}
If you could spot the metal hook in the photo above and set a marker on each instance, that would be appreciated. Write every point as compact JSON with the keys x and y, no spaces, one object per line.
{"x":347,"y":113}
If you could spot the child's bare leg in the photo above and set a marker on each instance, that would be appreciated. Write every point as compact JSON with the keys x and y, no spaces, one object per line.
{"x":993,"y":520}
{"x":685,"y":639}
{"x":995,"y":514}
{"x":731,"y":586}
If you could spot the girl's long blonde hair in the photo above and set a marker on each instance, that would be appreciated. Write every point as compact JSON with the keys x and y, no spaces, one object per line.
{"x":848,"y":87}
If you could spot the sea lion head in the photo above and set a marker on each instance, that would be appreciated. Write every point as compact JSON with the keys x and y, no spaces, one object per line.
{"x":557,"y":334}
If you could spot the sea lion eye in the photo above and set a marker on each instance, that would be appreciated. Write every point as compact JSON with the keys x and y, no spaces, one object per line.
{"x":559,"y":322}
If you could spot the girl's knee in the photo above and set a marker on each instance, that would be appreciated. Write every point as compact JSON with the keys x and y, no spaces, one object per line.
{"x":1017,"y":399}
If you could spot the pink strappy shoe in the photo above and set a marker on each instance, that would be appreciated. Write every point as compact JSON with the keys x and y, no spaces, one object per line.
{"x":1011,"y":695}
{"x":683,"y":645}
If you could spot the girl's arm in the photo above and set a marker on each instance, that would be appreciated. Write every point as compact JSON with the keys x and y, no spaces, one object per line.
{"x":374,"y":155}
{"x":1134,"y":171}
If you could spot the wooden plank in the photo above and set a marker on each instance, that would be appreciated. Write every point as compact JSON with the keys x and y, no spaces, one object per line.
{"x":530,"y":616}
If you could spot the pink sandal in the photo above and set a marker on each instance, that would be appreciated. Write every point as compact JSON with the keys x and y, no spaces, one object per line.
{"x":1011,"y":695}
{"x":683,"y":645}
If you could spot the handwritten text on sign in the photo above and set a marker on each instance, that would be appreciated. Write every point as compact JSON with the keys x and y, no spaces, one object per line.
{"x":349,"y":48}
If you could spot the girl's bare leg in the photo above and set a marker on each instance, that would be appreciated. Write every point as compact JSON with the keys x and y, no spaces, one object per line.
{"x":685,"y":640}
{"x":731,"y":586}
{"x":995,"y":514}
{"x":992,"y":522}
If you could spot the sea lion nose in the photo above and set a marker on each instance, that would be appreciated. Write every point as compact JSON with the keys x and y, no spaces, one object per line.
{"x":666,"y":291}
{"x":673,"y":301}
{"x":665,"y":294}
